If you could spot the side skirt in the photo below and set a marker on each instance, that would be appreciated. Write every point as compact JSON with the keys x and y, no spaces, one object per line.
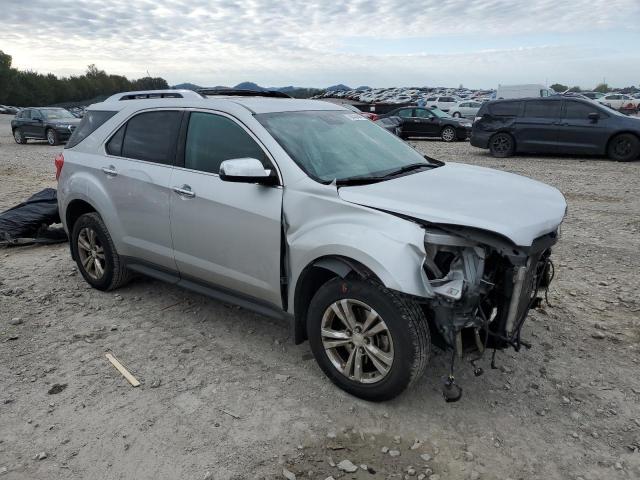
{"x":204,"y":288}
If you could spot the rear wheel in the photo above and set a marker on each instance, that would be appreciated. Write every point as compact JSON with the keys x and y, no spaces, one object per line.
{"x":457,"y":114}
{"x":448,"y":134}
{"x":96,"y":255}
{"x":52,"y":137}
{"x":370,"y":341}
{"x":502,"y":145}
{"x":18,"y":136}
{"x":624,"y":147}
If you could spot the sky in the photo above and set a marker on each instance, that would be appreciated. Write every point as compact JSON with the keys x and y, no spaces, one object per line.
{"x":476,"y":43}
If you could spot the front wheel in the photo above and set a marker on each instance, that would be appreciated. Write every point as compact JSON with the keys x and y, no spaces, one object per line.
{"x":18,"y":136}
{"x":448,"y":134}
{"x":502,"y":145}
{"x":52,"y":137}
{"x":624,"y":147}
{"x":457,"y":114}
{"x":371,"y":342}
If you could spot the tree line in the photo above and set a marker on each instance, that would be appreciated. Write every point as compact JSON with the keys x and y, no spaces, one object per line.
{"x":601,"y":87}
{"x":32,"y":89}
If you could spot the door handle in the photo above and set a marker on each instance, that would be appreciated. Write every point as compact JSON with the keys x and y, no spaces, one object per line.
{"x":110,"y":171}
{"x":184,"y":191}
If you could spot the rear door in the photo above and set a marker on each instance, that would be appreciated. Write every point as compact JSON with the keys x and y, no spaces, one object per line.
{"x":578,"y":133}
{"x":409,"y":122}
{"x":32,"y":125}
{"x":225,"y":233}
{"x":136,"y":172}
{"x":537,"y":128}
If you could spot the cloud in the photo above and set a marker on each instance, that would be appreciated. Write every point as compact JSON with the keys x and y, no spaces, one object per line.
{"x":300,"y":42}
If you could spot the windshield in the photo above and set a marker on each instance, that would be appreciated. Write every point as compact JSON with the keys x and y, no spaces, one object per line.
{"x":338,"y":145}
{"x":57,"y":114}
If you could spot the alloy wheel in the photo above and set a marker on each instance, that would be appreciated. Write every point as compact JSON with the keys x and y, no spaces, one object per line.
{"x":357,"y":341}
{"x":17,"y":135}
{"x":501,"y":144}
{"x":51,"y":137}
{"x":448,"y":134}
{"x":622,"y":147}
{"x":91,"y":253}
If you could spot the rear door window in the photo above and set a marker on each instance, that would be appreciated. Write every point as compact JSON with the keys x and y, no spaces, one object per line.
{"x":405,"y":113}
{"x":212,"y":139}
{"x":542,"y":109}
{"x":506,"y":109}
{"x":92,"y":120}
{"x":152,"y":136}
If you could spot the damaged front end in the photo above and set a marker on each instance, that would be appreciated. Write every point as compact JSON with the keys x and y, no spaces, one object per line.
{"x":484,"y":287}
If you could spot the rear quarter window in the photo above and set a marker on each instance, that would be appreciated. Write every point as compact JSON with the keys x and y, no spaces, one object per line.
{"x":92,"y":120}
{"x":506,"y":109}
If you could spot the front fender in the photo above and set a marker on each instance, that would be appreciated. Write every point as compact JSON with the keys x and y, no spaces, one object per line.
{"x":323,"y":225}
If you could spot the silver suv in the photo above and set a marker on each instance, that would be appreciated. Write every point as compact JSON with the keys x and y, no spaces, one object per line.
{"x":303,"y":210}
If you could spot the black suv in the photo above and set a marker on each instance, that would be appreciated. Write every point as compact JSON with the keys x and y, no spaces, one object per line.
{"x":54,"y":125}
{"x":560,"y":125}
{"x":429,"y":122}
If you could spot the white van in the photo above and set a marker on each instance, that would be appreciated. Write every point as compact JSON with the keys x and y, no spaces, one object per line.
{"x":523,"y":91}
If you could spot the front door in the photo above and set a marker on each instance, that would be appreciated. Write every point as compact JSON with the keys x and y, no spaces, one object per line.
{"x":224,"y":233}
{"x":427,"y":124}
{"x":537,"y":128}
{"x":578,"y":133}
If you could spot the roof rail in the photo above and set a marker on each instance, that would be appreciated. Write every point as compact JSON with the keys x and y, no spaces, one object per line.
{"x":236,"y":92}
{"x":146,"y":94}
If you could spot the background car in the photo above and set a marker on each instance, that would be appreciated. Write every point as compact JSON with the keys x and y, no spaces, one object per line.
{"x":430,"y":122}
{"x":555,"y":125}
{"x":619,"y":101}
{"x":467,"y":109}
{"x":443,"y":103}
{"x":370,"y":115}
{"x":592,"y":95}
{"x":391,"y":124}
{"x":54,"y":125}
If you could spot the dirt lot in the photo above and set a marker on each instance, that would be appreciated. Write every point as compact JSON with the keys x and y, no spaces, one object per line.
{"x":225,"y":393}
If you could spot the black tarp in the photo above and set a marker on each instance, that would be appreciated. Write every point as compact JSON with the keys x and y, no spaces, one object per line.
{"x":30,"y":219}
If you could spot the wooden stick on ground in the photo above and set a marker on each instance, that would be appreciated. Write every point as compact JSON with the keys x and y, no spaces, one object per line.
{"x":114,"y":361}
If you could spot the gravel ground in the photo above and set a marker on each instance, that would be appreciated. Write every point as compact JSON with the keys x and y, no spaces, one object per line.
{"x":225,"y":393}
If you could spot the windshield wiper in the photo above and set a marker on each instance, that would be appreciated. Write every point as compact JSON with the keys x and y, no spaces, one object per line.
{"x":364,"y":179}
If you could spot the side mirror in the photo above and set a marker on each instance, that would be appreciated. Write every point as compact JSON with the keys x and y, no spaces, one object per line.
{"x":594,"y":117}
{"x":246,"y":170}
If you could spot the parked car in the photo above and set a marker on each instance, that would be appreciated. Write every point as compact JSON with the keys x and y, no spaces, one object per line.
{"x":592,"y":95}
{"x":560,"y":125}
{"x":430,"y":122}
{"x":54,"y":125}
{"x":523,"y":91}
{"x":619,"y":101}
{"x":442,"y":103}
{"x":467,"y":109}
{"x":391,"y":124}
{"x":301,"y":210}
{"x":8,"y":109}
{"x":370,"y":115}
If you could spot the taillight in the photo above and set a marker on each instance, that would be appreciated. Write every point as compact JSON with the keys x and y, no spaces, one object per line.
{"x":59,"y":163}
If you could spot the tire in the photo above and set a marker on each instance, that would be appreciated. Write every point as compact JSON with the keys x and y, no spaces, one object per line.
{"x":114,"y":274}
{"x":448,"y":134}
{"x":456,"y":115}
{"x":18,"y":136}
{"x":624,"y":147}
{"x":502,"y":145}
{"x":52,"y":137}
{"x":403,"y":339}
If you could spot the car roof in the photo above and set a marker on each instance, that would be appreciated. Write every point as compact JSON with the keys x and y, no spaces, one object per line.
{"x":256,"y":105}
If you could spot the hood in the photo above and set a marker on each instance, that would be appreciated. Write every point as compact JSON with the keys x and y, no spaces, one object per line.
{"x":516,"y":207}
